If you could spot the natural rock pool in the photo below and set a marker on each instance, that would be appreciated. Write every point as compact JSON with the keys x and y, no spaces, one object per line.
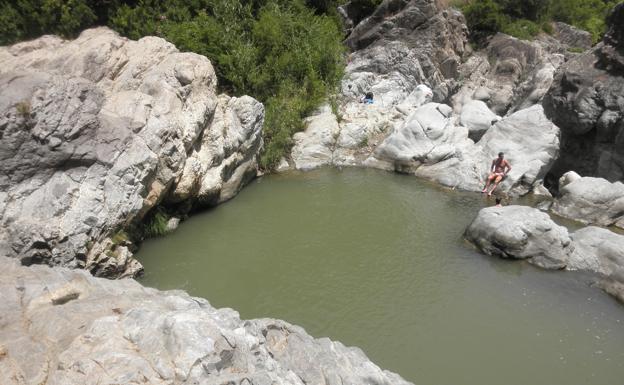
{"x":376,"y":260}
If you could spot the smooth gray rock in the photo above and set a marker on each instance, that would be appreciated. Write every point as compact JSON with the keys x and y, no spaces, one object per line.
{"x":60,"y":327}
{"x":520,"y":232}
{"x":585,"y":100}
{"x":431,"y":145}
{"x":591,"y":201}
{"x":314,"y":146}
{"x":600,"y":250}
{"x":478,"y":118}
{"x":96,"y":131}
{"x":568,"y":178}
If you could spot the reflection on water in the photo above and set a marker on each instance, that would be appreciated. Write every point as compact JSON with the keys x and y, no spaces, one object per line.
{"x":377,"y":260}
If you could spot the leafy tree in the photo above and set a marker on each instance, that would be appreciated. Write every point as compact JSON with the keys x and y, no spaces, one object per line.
{"x":525,"y":19}
{"x":286,"y":53}
{"x":484,"y":18}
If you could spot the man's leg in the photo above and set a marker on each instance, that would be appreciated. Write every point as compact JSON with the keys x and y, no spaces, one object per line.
{"x":496,"y":182}
{"x":487,"y":182}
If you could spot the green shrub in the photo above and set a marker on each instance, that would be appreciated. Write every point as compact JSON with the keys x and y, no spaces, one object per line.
{"x":525,"y":19}
{"x":576,"y":49}
{"x":282,"y":53}
{"x":484,"y":18}
{"x":286,"y":53}
{"x":23,"y":109}
{"x":522,"y":29}
{"x":153,"y":225}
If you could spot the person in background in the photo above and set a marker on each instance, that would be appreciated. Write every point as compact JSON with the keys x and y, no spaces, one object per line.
{"x":367,"y":98}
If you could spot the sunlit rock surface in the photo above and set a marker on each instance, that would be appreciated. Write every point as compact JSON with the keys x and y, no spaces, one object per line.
{"x":97,"y":131}
{"x":61,"y":326}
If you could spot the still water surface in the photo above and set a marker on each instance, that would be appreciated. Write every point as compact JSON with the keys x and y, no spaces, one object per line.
{"x":377,"y":260}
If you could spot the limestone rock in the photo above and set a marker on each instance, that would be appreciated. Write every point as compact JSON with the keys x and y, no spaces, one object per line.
{"x":404,"y":44}
{"x":571,"y":36}
{"x":585,"y":100}
{"x":520,"y":232}
{"x":226,"y":156}
{"x":63,"y":326}
{"x":600,"y":250}
{"x":510,"y":74}
{"x":568,"y":178}
{"x":97,"y":131}
{"x":591,"y":201}
{"x":478,"y":118}
{"x":314,"y":146}
{"x":446,"y":155}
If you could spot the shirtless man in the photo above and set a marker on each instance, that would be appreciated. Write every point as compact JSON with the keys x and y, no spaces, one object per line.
{"x":499,"y":169}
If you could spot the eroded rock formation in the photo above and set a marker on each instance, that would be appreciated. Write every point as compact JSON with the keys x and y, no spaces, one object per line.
{"x":96,"y":131}
{"x":585,"y":100}
{"x":521,"y":232}
{"x":492,"y":102}
{"x":590,"y":200}
{"x":63,"y":326}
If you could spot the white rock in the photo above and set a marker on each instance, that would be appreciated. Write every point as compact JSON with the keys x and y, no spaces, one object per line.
{"x":591,"y":201}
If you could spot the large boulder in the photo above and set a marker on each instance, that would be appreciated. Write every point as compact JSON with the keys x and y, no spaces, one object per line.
{"x":585,"y":101}
{"x":97,"y":131}
{"x":600,"y":250}
{"x":520,"y":232}
{"x":431,"y":145}
{"x":60,"y":326}
{"x":478,"y":118}
{"x":591,"y":200}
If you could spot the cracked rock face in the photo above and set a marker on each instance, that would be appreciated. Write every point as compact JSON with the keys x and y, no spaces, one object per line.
{"x":585,"y":100}
{"x":497,"y":108}
{"x":63,"y":326}
{"x":509,"y":74}
{"x":96,"y":131}
{"x":404,"y":44}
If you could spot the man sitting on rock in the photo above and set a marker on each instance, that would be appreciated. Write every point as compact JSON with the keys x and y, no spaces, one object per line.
{"x":499,"y":169}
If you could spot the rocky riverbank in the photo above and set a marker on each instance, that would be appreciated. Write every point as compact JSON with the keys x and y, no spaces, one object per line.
{"x":98,"y":131}
{"x":61,"y":326}
{"x":521,"y":232}
{"x":446,"y":116}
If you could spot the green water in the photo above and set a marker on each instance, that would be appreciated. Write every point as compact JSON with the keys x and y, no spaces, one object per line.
{"x":377,"y":260}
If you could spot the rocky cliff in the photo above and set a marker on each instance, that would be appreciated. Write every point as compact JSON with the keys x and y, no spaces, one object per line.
{"x":440,"y":111}
{"x":97,"y":131}
{"x":410,"y":54}
{"x":60,"y":326}
{"x":585,"y":100}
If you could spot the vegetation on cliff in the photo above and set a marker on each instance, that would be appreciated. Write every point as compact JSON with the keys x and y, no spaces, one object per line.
{"x":525,"y":19}
{"x":286,"y":53}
